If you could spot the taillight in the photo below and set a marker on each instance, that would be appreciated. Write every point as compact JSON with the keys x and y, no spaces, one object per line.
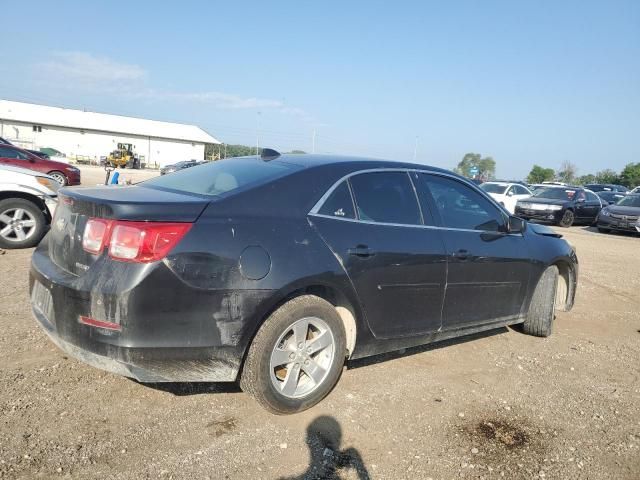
{"x":133,"y":241}
{"x":95,"y":235}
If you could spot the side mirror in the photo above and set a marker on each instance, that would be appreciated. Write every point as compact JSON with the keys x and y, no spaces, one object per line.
{"x":516,"y":225}
{"x":510,"y":193}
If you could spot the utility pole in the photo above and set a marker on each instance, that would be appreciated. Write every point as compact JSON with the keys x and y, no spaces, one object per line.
{"x":258,"y":134}
{"x":313,"y":141}
{"x":415,"y":149}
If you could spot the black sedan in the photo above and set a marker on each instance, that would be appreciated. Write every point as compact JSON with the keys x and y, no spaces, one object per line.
{"x":623,"y":216}
{"x":179,"y":166}
{"x":562,"y":206}
{"x":275,"y":270}
{"x":609,"y":197}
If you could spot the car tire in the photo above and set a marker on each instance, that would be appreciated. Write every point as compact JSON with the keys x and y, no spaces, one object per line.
{"x":59,"y":177}
{"x":567,"y":219}
{"x":285,"y":388}
{"x":30,"y":212}
{"x":604,"y":230}
{"x":542,"y":310}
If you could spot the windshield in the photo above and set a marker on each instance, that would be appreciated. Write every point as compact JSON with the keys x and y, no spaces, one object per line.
{"x":493,"y":188}
{"x":217,"y":178}
{"x":555,"y":193}
{"x":630,"y":201}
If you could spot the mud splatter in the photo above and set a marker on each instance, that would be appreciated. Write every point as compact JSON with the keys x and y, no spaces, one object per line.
{"x":508,"y":435}
{"x":217,"y":428}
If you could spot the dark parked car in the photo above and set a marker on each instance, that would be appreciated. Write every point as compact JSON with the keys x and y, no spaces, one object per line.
{"x":40,"y":154}
{"x":606,"y":187}
{"x":63,"y":173}
{"x":609,"y":197}
{"x":623,"y":216}
{"x":277,"y":270}
{"x":562,"y":206}
{"x":179,"y":166}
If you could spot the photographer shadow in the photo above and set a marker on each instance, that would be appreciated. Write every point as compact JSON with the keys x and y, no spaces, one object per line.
{"x":327,"y":460}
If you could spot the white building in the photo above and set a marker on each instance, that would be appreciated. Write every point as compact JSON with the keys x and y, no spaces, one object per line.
{"x":90,"y":136}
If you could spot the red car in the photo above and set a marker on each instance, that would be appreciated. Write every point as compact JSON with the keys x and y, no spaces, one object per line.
{"x":64,"y":173}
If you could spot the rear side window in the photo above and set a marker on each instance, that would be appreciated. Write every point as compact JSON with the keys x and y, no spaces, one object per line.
{"x":460,"y":206}
{"x":386,"y":197}
{"x":223,"y":176}
{"x":339,"y":204}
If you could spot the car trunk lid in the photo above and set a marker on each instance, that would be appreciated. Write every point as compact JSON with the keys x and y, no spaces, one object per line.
{"x":135,"y":203}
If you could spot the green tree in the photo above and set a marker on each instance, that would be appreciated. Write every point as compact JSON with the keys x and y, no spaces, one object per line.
{"x":630,"y":175}
{"x":607,"y":176}
{"x":297,"y":151}
{"x":567,"y":172}
{"x":540,"y":174}
{"x":486,"y":166}
{"x":585,"y":179}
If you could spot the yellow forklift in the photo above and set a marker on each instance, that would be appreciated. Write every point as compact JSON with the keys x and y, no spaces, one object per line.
{"x":124,"y":157}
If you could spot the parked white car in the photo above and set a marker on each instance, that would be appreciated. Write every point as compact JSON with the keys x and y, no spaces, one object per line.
{"x":507,"y":194}
{"x":27,"y":204}
{"x":635,"y":190}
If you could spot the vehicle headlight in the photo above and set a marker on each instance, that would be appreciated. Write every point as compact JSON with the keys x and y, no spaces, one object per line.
{"x":49,"y":183}
{"x":72,"y":169}
{"x":524,"y":204}
{"x":604,"y":212}
{"x":555,"y":208}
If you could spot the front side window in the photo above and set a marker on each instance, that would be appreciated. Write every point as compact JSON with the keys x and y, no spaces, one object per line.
{"x":339,"y":204}
{"x":386,"y":197}
{"x":591,"y":197}
{"x":520,"y":190}
{"x":460,"y":206}
{"x":10,"y":153}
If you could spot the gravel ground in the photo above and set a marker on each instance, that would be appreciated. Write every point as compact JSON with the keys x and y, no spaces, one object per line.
{"x":91,"y":175}
{"x":500,"y":405}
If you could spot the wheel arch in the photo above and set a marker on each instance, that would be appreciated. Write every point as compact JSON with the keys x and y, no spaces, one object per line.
{"x":567,"y":282}
{"x":345,"y":303}
{"x":4,"y":195}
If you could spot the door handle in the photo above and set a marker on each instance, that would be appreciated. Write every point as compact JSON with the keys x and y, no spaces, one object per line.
{"x":361,"y":251}
{"x":461,"y":254}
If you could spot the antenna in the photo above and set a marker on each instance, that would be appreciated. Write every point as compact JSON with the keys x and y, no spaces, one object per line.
{"x":269,"y":154}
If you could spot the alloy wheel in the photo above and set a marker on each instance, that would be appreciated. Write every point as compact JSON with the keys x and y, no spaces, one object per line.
{"x":302,"y":357}
{"x":16,"y":225}
{"x":59,"y":177}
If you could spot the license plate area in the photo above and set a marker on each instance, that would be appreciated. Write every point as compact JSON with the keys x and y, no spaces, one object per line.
{"x":42,"y":301}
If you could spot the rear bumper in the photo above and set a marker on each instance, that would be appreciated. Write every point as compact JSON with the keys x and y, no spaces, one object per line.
{"x":170,"y":332}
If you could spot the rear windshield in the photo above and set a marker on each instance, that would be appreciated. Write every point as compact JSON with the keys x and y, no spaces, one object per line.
{"x":223,"y":176}
{"x":630,"y":201}
{"x":493,"y":188}
{"x":555,"y":193}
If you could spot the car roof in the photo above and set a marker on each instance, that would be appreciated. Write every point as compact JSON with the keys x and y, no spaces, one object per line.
{"x":311,"y":160}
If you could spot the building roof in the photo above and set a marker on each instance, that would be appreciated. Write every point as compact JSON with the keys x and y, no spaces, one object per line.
{"x":66,"y":117}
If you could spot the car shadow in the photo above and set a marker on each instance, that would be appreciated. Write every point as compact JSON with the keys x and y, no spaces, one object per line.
{"x":183,"y":389}
{"x":383,"y":357}
{"x":327,"y":459}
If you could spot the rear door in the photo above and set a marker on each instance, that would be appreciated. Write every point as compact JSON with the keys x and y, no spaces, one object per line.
{"x":488,"y":269}
{"x":397,"y":266}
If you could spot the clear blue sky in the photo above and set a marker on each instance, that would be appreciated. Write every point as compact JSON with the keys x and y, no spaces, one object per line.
{"x":525,"y":82}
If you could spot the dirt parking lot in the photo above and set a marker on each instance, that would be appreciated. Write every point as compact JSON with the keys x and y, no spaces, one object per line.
{"x":503,"y":405}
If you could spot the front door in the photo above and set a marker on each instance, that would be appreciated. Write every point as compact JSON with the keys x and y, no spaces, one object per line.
{"x":588,"y":206}
{"x":396,"y":265}
{"x":488,"y":269}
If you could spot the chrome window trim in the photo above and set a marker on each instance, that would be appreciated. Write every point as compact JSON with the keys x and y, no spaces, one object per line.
{"x":316,"y":208}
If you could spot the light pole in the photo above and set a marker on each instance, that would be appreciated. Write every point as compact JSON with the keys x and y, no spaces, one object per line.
{"x":258,"y":134}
